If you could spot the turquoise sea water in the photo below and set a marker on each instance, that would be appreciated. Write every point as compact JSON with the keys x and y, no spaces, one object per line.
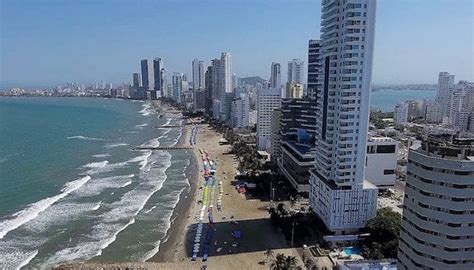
{"x":387,"y":99}
{"x":71,"y":188}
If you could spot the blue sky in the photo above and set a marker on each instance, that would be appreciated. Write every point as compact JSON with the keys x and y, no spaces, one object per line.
{"x":51,"y":41}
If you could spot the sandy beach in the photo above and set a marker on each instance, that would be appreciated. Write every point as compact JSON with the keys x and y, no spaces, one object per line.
{"x":250,"y":218}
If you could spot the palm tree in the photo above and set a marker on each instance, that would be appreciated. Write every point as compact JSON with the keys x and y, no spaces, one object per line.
{"x":269,"y":253}
{"x":291,"y":262}
{"x":279,"y":263}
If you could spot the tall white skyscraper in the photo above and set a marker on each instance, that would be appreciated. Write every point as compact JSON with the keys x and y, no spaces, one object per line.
{"x":157,"y":77}
{"x":267,"y":101}
{"x":445,"y":84}
{"x":295,"y":71}
{"x":225,"y":84}
{"x":240,"y":111}
{"x":198,"y":74}
{"x":339,"y":194}
{"x":275,"y":76}
{"x":177,"y":82}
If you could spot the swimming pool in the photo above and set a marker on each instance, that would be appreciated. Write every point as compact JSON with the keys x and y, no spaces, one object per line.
{"x":351,"y":251}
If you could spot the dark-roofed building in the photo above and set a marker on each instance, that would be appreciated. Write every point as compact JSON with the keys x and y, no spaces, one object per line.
{"x":297,"y":139}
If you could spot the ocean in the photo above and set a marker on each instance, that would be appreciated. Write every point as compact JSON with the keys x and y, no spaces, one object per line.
{"x":72,"y":188}
{"x":386,"y":99}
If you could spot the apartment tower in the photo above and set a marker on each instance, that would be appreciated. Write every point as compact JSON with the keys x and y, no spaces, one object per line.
{"x":437,"y":230}
{"x":339,"y":193}
{"x":275,"y":76}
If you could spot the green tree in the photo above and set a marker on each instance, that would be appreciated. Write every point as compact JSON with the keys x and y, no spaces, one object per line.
{"x":282,"y":262}
{"x":269,"y":253}
{"x":384,"y":232}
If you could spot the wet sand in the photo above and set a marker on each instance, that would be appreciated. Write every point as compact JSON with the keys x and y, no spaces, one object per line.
{"x":183,"y":209}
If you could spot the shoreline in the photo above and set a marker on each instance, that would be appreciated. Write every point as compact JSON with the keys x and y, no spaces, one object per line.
{"x":182,"y":211}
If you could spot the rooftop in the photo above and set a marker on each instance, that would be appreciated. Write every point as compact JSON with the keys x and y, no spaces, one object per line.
{"x":447,"y":146}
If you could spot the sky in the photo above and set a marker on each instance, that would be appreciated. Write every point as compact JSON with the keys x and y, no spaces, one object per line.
{"x":46,"y":42}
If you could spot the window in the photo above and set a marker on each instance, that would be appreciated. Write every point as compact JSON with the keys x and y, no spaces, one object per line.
{"x":388,"y":172}
{"x":385,"y":149}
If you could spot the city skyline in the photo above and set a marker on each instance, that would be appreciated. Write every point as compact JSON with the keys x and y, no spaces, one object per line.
{"x":98,"y":41}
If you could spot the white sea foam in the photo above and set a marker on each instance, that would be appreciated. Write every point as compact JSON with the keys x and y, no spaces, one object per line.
{"x":126,"y":184}
{"x":147,"y":110}
{"x":98,"y":185}
{"x":152,"y":252}
{"x":167,"y":123}
{"x":27,"y":259}
{"x":97,"y":206}
{"x":121,"y":215}
{"x":141,"y":125}
{"x":115,"y":145}
{"x":67,"y":209}
{"x":101,"y":155}
{"x":16,"y":259}
{"x":79,"y":137}
{"x":175,"y":141}
{"x":114,"y":236}
{"x":33,"y":210}
{"x":143,"y":159}
{"x":93,"y":165}
{"x":149,"y":210}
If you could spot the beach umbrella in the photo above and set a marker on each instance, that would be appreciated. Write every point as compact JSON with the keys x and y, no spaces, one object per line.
{"x":196,"y":245}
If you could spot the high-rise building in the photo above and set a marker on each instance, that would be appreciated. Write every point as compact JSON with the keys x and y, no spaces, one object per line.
{"x":437,"y":230}
{"x":198,"y":85}
{"x":158,"y":82}
{"x":414,"y":109}
{"x":295,"y":71}
{"x":432,"y":112}
{"x":136,"y":80}
{"x":216,"y":87}
{"x":340,"y":195}
{"x":209,"y":88}
{"x":177,"y":82}
{"x":267,"y":101}
{"x":164,"y":83}
{"x":314,"y":68}
{"x":400,"y":115}
{"x":445,"y":84}
{"x":275,"y":76}
{"x":240,"y":111}
{"x":198,"y":74}
{"x":458,"y":110}
{"x":148,"y":81}
{"x":225,"y":83}
{"x":297,"y":139}
{"x":136,"y":90}
{"x":275,"y":137}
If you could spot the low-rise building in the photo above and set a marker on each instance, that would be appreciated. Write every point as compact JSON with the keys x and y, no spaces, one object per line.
{"x":381,"y":161}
